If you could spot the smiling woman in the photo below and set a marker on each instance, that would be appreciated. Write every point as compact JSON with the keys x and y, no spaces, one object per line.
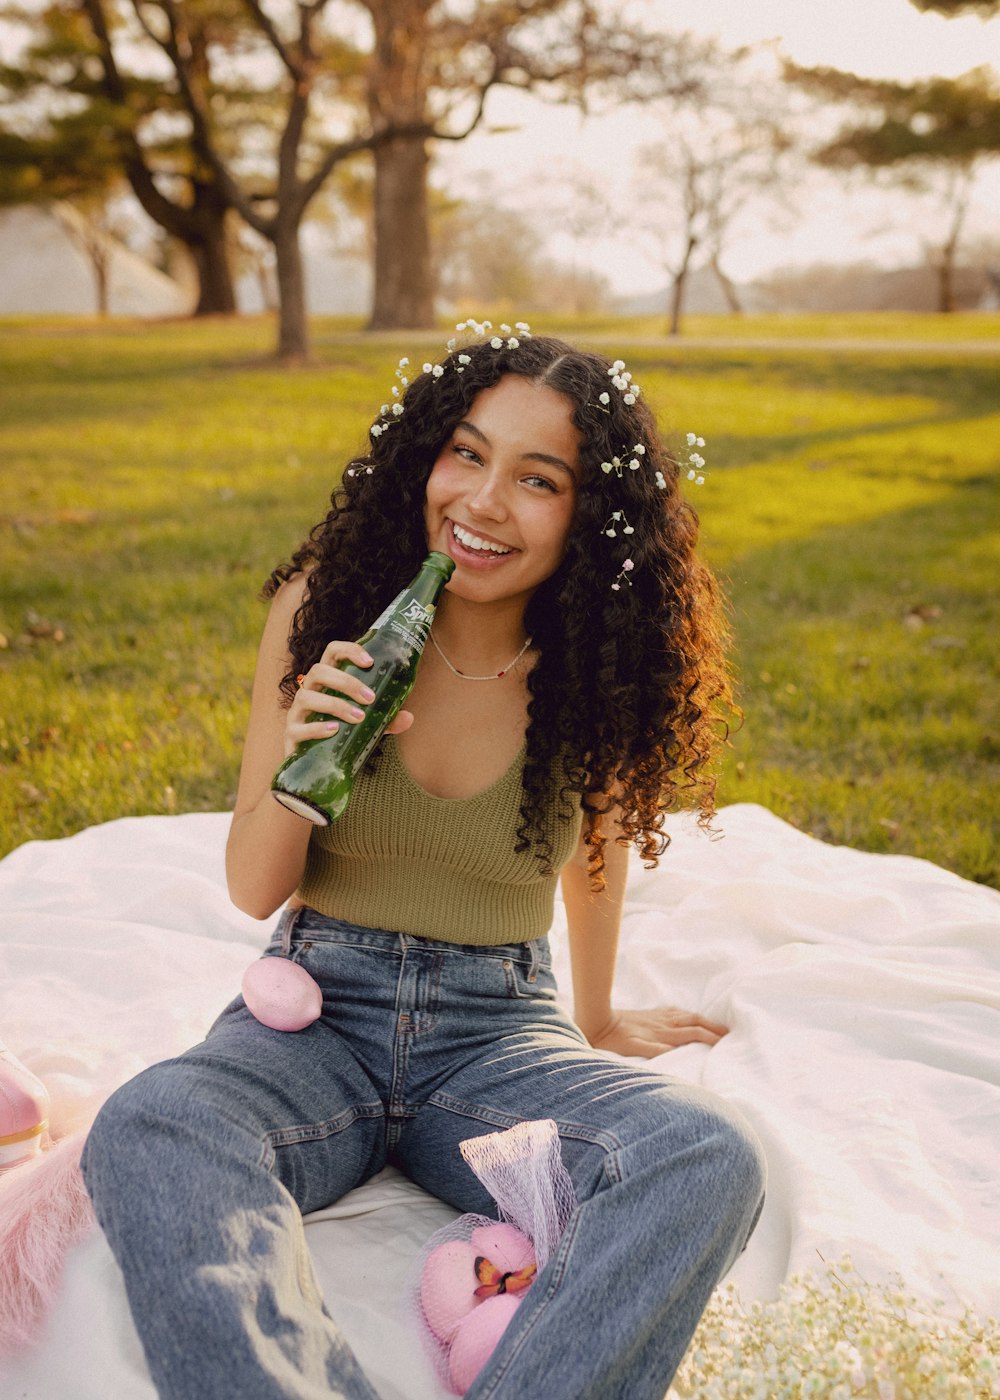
{"x":501,"y":498}
{"x":423,"y":911}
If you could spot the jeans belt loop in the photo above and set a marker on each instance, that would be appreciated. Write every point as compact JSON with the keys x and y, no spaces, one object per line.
{"x":288,"y":921}
{"x":536,"y":958}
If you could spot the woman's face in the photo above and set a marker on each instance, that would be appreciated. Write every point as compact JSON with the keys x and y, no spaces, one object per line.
{"x":502,"y":493}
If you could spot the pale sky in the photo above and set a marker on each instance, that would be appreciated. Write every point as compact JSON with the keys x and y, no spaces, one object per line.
{"x":879,"y":38}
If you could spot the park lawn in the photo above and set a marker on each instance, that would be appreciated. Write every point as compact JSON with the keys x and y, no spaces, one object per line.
{"x":153,"y":474}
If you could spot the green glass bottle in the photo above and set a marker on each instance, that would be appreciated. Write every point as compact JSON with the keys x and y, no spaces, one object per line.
{"x":315,"y":780}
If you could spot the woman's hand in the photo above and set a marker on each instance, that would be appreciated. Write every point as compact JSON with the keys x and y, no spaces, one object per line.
{"x":650,"y":1033}
{"x":346,"y":707}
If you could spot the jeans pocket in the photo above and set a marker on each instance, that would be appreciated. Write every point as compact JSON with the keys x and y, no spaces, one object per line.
{"x":528,"y":981}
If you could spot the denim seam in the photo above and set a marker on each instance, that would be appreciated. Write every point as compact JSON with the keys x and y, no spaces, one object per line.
{"x":313,"y":1132}
{"x":561,"y":1264}
{"x":610,"y":1144}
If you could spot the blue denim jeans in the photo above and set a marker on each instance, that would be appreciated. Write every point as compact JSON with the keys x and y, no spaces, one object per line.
{"x":200,"y":1167}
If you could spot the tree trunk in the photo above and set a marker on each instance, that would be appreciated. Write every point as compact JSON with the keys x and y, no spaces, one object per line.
{"x":216,"y":293}
{"x":677,"y":290}
{"x":404,"y":281}
{"x":200,"y":227}
{"x":101,"y":279}
{"x":946,"y":294}
{"x":728,"y":287}
{"x":398,"y":81}
{"x":293,"y":325}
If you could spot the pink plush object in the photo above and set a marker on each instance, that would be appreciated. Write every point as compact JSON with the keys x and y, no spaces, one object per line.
{"x":476,"y":1337}
{"x":281,"y":994}
{"x":44,"y":1208}
{"x":462,"y":1282}
{"x":508,"y":1249}
{"x":448,"y":1286}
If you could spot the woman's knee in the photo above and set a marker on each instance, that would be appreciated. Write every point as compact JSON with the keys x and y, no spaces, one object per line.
{"x":155,"y":1102}
{"x":710,"y":1141}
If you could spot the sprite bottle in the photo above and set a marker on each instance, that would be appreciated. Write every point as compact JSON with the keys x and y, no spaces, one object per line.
{"x":315,"y":779}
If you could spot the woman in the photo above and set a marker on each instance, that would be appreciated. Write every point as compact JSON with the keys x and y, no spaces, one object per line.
{"x":568,"y":696}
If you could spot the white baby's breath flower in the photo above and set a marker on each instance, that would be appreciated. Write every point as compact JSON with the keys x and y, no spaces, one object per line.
{"x":604,"y":398}
{"x":377,"y":431}
{"x":496,"y":343}
{"x":629,"y":399}
{"x":427,"y":367}
{"x":513,"y":343}
{"x":397,"y":409}
{"x":437,"y":371}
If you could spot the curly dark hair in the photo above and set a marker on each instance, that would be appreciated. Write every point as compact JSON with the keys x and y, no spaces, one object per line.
{"x":631,"y":693}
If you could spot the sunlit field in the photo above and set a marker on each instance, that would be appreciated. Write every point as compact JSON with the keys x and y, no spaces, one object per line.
{"x":153,"y":475}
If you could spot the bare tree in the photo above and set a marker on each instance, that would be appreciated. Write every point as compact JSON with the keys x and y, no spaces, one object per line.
{"x":714,"y":160}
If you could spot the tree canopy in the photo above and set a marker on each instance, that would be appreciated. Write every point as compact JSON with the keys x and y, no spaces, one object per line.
{"x":951,"y":8}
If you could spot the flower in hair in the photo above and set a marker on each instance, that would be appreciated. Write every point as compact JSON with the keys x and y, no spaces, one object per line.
{"x":617,"y":517}
{"x":626,"y":569}
{"x":695,"y":460}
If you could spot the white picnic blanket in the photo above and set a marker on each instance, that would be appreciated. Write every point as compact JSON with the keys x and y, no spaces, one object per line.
{"x":862,"y":991}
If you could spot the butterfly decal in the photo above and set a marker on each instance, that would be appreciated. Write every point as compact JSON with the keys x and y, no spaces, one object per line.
{"x":492,"y":1282}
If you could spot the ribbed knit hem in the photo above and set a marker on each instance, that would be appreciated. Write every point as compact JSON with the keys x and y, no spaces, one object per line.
{"x":409,"y":899}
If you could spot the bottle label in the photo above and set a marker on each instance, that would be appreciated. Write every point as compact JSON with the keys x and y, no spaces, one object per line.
{"x":412,"y":623}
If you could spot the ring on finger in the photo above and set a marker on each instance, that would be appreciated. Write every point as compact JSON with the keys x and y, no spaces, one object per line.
{"x":300,"y":680}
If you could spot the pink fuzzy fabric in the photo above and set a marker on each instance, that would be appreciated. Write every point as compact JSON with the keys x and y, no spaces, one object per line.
{"x":44,"y":1209}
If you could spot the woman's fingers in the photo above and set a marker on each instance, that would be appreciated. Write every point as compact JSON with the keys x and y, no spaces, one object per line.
{"x":334,"y":695}
{"x":657,"y":1031}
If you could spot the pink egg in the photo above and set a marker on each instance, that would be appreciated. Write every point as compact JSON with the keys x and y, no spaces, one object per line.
{"x":476,"y":1336}
{"x":504,"y":1246}
{"x":448,"y":1286}
{"x":281,"y":994}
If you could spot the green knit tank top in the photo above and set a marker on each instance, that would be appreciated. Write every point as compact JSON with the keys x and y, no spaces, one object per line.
{"x":402,"y":859}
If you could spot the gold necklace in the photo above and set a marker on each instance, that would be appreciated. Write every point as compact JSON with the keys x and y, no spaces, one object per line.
{"x":461,"y":674}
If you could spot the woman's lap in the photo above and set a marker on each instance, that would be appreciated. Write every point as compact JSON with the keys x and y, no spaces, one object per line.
{"x":421,"y":1044}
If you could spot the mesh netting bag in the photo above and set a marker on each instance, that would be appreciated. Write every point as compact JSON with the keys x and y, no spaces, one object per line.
{"x":472,"y":1275}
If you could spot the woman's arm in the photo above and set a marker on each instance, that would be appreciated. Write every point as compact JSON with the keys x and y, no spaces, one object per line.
{"x":594,"y":921}
{"x":266,"y":850}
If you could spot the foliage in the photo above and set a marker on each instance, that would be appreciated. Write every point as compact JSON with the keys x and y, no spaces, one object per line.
{"x":985,"y":8}
{"x":950,"y":120}
{"x":937,"y":127}
{"x":155,"y":475}
{"x":833,"y":1336}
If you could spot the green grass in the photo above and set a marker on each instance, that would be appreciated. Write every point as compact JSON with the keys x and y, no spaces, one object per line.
{"x":154,"y":474}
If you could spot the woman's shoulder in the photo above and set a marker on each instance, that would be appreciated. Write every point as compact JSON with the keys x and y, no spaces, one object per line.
{"x":289,"y":596}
